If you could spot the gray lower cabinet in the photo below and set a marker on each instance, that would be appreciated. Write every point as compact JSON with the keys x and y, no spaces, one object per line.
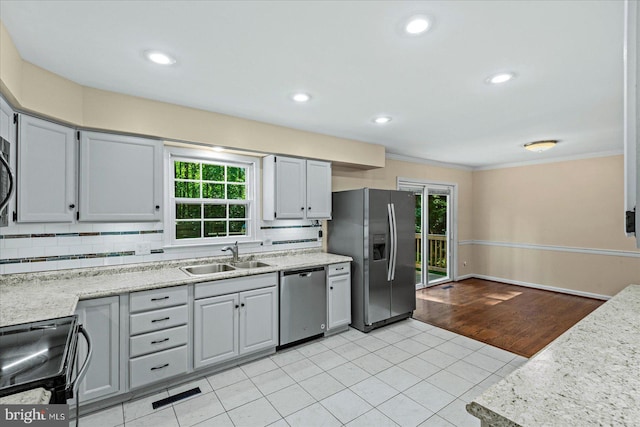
{"x":338,"y":296}
{"x":158,"y":335}
{"x":236,"y":323}
{"x":216,"y":330}
{"x":101,"y":319}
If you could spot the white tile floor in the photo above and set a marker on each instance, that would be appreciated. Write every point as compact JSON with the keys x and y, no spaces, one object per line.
{"x":406,"y":374}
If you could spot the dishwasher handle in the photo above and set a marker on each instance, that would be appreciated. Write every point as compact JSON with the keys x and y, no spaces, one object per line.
{"x":302,"y":273}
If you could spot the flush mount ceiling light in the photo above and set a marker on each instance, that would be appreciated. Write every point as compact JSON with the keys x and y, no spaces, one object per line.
{"x":496,"y":79}
{"x":417,"y":24}
{"x":382,"y":120}
{"x":158,"y":57}
{"x":540,"y":146}
{"x":301,"y":97}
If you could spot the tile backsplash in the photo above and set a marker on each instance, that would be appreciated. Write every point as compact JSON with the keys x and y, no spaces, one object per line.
{"x":46,"y":247}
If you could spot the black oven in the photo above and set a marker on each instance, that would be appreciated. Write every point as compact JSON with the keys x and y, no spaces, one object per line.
{"x":42,"y":354}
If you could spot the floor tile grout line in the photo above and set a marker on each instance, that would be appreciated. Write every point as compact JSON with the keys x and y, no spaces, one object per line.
{"x":392,"y":364}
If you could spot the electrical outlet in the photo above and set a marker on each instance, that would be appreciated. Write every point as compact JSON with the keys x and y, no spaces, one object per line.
{"x":143,"y":248}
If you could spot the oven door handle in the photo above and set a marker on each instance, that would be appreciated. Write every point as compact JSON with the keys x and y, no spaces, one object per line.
{"x":82,"y":371}
{"x":85,"y":365}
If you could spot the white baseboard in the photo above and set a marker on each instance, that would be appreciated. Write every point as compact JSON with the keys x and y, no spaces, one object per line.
{"x":535,"y":286}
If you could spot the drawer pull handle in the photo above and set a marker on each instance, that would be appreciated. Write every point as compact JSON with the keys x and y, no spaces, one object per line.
{"x":160,"y":320}
{"x":159,"y":367}
{"x":160,"y":341}
{"x":159,"y":299}
{"x":341,"y":268}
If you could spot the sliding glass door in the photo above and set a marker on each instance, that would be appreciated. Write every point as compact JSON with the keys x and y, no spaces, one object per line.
{"x":434,"y":231}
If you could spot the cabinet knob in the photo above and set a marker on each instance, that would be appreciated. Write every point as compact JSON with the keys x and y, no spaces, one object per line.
{"x":330,"y":287}
{"x":309,"y":208}
{"x":72,"y":206}
{"x":237,"y":306}
{"x":302,"y":208}
{"x":157,"y":207}
{"x":242,"y":305}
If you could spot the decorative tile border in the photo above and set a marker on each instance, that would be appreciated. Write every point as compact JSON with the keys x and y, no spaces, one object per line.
{"x":80,"y":234}
{"x":269,"y":227}
{"x":73,"y":257}
{"x":286,"y":242}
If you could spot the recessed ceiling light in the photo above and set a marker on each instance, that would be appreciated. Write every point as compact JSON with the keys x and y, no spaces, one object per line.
{"x":158,"y":57}
{"x":417,"y":25}
{"x":540,"y":146}
{"x":500,"y":78}
{"x":218,"y":149}
{"x":382,"y":120}
{"x":301,"y":97}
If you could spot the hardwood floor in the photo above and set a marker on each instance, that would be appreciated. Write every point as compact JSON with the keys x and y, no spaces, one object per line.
{"x":515,"y":318}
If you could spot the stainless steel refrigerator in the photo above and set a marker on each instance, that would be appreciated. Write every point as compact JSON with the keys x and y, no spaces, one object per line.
{"x":377,"y":229}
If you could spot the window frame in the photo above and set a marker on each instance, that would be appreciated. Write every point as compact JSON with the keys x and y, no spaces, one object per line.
{"x":197,"y":155}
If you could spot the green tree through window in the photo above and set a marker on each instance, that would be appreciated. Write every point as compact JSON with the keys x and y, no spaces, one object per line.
{"x":210,"y":199}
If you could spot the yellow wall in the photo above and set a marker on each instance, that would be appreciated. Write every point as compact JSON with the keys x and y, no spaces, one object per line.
{"x":386,"y":178}
{"x":570,"y":206}
{"x":34,"y":89}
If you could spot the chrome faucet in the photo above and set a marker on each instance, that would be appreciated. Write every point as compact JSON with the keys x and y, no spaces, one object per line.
{"x":234,"y":251}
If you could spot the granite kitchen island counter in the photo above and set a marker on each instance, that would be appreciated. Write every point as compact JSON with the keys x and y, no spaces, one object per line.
{"x":588,"y":376}
{"x":30,"y":297}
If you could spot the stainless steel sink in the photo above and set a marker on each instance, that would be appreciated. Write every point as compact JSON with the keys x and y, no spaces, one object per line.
{"x":251,"y":264}
{"x":198,"y":270}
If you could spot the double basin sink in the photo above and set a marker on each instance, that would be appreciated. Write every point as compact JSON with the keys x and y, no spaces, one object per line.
{"x":199,"y":270}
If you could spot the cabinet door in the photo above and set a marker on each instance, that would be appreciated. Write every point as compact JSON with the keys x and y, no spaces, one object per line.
{"x":339,"y":300}
{"x":7,"y":129}
{"x":318,"y":189}
{"x":46,"y":171}
{"x":290,"y":188}
{"x":215,"y":329}
{"x":100,"y":318}
{"x":258,"y":319}
{"x":120,"y":178}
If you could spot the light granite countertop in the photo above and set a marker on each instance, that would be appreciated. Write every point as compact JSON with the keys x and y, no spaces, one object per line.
{"x":29,"y":297}
{"x":588,"y":376}
{"x":36,"y":396}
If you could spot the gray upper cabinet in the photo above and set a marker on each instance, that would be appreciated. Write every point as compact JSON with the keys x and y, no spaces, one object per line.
{"x":7,"y":129}
{"x":318,"y":189}
{"x":295,"y":188}
{"x":46,"y":171}
{"x":120,"y":178}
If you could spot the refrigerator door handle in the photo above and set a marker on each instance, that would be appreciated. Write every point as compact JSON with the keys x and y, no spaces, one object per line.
{"x":395,"y":240}
{"x":391,"y":242}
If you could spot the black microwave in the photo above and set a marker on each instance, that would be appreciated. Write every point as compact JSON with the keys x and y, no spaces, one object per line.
{"x":7,"y":182}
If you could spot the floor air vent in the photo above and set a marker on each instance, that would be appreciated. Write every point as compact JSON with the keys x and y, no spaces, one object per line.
{"x":172,"y":399}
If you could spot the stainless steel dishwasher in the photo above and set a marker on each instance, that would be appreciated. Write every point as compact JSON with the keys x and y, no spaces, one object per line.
{"x":303,"y":304}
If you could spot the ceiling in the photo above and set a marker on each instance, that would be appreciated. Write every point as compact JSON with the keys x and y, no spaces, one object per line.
{"x":246,"y":58}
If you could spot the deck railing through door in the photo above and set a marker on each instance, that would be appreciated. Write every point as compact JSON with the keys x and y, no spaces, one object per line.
{"x":437,"y":245}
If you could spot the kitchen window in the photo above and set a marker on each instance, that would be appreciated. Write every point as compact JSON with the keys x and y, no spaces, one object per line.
{"x":212,"y":198}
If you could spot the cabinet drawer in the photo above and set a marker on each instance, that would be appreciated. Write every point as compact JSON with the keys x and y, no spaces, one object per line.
{"x":157,"y":298}
{"x":158,"y":319}
{"x":337,"y":269}
{"x":156,"y":341}
{"x":155,"y":367}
